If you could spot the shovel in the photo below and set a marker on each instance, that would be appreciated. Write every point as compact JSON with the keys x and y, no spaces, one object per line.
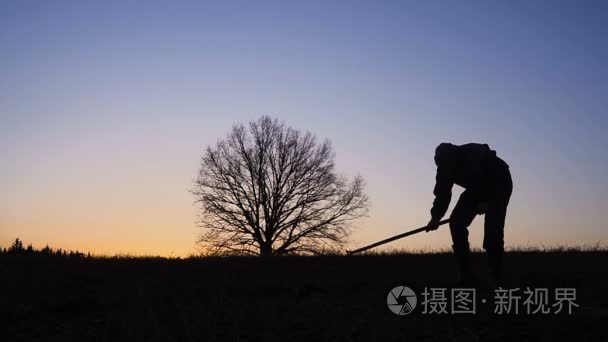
{"x":396,"y":237}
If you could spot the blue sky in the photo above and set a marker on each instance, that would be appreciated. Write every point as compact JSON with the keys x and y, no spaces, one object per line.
{"x":106,"y":107}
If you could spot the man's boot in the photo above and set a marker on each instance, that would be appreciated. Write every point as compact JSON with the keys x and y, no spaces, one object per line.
{"x":465,"y":272}
{"x":496,"y":265}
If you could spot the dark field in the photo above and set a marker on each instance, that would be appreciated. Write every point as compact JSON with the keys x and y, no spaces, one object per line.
{"x":330,"y":298}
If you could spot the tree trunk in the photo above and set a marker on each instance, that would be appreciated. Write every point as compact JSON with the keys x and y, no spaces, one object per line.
{"x":266,"y":250}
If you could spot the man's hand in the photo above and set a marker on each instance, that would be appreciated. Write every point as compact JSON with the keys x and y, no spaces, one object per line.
{"x":432,"y":225}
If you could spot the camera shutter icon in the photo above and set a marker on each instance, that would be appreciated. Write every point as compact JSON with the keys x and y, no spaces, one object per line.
{"x":401,"y":300}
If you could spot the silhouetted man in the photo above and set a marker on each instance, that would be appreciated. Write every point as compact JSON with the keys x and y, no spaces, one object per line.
{"x":488,"y":185}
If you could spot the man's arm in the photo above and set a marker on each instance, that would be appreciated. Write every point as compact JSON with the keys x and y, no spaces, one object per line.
{"x":443,"y":195}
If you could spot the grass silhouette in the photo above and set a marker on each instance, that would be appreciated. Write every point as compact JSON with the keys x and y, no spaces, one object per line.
{"x":316,"y":298}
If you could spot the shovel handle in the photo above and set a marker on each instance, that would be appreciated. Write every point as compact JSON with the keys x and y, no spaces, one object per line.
{"x":396,"y":237}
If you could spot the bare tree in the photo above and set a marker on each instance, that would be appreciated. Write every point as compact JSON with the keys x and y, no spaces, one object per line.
{"x":269,"y":189}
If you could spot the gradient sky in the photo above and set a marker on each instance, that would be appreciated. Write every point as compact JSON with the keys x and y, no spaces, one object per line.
{"x":106,"y":107}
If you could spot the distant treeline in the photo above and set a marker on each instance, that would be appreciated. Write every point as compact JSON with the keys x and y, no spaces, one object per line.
{"x":18,"y":248}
